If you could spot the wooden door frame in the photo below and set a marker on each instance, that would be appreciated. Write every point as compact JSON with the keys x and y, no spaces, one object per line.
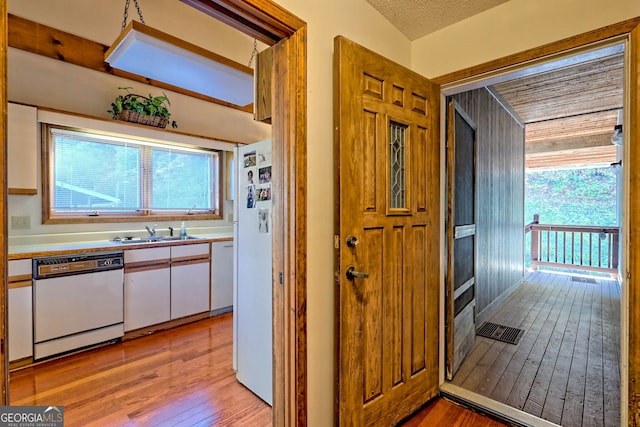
{"x":624,"y":32}
{"x":4,"y":293}
{"x":269,"y":23}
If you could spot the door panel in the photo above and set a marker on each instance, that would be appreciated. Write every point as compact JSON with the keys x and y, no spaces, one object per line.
{"x":387,"y":153}
{"x":461,"y":237}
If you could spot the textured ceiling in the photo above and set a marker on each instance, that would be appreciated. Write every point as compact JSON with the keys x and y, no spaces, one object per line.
{"x":416,"y":18}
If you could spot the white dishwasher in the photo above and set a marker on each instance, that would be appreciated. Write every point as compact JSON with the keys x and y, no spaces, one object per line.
{"x":78,"y":301}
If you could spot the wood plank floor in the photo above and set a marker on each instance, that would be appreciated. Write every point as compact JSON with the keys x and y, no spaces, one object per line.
{"x":442,"y":412}
{"x":566,"y":367}
{"x":180,"y":377}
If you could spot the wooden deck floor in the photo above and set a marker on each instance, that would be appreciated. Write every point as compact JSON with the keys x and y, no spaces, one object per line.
{"x":566,"y":367}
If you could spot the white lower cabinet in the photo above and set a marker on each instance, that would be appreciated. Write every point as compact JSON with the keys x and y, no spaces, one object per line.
{"x":189,"y":280}
{"x":20,"y":323}
{"x":221,"y":276}
{"x":146,"y":295}
{"x":165,"y":283}
{"x":147,"y":287}
{"x":20,"y":308}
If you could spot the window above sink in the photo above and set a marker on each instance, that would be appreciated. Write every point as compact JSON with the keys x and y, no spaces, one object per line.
{"x":101,"y":177}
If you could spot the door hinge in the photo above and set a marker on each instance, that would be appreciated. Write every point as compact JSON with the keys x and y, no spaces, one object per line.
{"x":336,"y":241}
{"x":281,"y":274}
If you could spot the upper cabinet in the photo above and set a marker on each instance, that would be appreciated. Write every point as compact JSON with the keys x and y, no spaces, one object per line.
{"x":22,"y":149}
{"x":263,"y":82}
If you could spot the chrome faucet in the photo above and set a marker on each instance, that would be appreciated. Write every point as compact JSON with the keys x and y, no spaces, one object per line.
{"x":152,"y":231}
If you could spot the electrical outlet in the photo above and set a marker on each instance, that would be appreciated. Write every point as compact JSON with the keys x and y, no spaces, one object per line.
{"x":21,"y":222}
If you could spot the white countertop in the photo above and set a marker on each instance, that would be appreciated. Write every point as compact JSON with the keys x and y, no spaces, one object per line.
{"x":44,"y":249}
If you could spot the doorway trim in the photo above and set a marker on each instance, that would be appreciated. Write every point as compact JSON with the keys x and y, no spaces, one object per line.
{"x":270,"y":23}
{"x":4,"y":263}
{"x":628,"y":32}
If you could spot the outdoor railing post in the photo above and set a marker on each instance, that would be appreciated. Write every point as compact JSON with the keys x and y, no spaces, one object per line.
{"x":535,"y":243}
{"x":615,"y":248}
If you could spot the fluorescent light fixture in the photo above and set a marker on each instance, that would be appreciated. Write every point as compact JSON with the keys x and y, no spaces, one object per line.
{"x":155,"y":55}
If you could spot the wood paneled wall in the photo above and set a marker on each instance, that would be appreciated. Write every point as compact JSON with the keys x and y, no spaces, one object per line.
{"x":499,"y":197}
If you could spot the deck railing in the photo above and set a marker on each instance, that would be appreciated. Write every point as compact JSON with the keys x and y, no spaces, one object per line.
{"x":576,"y":247}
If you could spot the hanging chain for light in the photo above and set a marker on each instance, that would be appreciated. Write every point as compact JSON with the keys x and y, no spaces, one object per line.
{"x":126,"y":13}
{"x":255,"y":50}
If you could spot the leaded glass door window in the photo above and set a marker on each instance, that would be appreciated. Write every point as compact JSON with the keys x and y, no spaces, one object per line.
{"x":398,"y":168}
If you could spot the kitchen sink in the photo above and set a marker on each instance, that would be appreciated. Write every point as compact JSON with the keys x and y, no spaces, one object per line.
{"x":173,"y":238}
{"x":157,"y":239}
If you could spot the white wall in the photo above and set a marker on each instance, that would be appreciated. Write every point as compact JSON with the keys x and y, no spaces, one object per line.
{"x":511,"y":28}
{"x":37,"y":80}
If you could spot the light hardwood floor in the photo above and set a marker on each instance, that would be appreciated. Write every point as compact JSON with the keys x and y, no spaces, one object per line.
{"x":442,"y":412}
{"x":566,"y":367}
{"x":179,"y":377}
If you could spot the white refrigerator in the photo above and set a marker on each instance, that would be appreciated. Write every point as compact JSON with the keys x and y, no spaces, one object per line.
{"x":253,"y":324}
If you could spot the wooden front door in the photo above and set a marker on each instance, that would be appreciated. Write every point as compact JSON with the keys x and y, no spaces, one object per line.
{"x":461,"y":236}
{"x":387,"y":237}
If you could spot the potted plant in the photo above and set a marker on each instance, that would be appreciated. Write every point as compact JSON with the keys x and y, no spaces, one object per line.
{"x":147,"y":110}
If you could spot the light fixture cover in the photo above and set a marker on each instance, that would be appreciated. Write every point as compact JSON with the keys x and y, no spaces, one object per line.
{"x":153,"y":54}
{"x":616,"y":138}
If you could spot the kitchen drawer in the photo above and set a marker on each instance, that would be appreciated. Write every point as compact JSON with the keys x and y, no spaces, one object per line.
{"x":143,"y":255}
{"x":20,"y":267}
{"x":183,"y":251}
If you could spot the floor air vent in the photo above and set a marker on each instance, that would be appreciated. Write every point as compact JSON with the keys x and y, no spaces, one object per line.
{"x":500,"y":332}
{"x":583,"y":280}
